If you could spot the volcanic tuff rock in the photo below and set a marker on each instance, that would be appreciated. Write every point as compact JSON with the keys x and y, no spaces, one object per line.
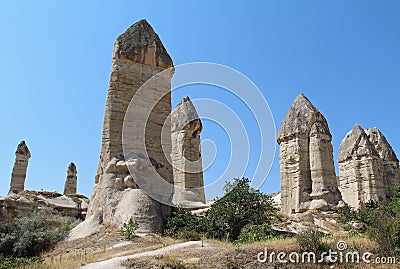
{"x":26,"y":202}
{"x":71,"y":180}
{"x":18,"y":175}
{"x":368,"y":167}
{"x":138,"y":56}
{"x":308,"y":179}
{"x":391,"y":171}
{"x":186,"y":155}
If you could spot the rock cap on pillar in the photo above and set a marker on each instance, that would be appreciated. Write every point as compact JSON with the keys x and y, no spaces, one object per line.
{"x":141,"y":44}
{"x":298,"y":120}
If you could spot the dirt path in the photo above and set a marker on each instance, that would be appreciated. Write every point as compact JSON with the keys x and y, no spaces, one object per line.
{"x":115,"y":263}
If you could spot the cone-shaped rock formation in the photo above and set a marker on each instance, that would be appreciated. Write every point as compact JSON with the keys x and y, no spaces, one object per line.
{"x":368,"y":167}
{"x":22,"y":156}
{"x":138,"y":56}
{"x":308,"y":179}
{"x":186,"y":155}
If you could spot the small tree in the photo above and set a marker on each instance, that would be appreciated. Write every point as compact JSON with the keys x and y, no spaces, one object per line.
{"x":182,"y":223}
{"x":240,"y":206}
{"x":128,"y":229}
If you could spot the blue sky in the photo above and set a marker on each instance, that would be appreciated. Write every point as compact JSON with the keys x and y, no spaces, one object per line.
{"x":56,"y":59}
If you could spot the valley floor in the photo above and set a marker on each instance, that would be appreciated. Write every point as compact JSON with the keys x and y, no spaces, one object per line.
{"x":107,"y":249}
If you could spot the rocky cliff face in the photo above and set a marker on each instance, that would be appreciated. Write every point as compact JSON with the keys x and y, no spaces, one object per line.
{"x":71,"y":180}
{"x":186,"y":156}
{"x":138,"y":56}
{"x":308,"y":179}
{"x":368,"y":167}
{"x":22,"y":156}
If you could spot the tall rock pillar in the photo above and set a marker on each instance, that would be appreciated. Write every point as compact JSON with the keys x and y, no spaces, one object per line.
{"x":308,"y":179}
{"x":22,"y":156}
{"x":186,"y":155}
{"x":138,"y":56}
{"x":71,"y":180}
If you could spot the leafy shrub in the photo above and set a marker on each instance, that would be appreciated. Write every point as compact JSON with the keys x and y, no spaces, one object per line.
{"x":29,"y":236}
{"x":128,"y":229}
{"x":16,"y":263}
{"x":240,"y":206}
{"x":311,"y":241}
{"x":181,"y":223}
{"x":255,"y":233}
{"x":189,"y":235}
{"x":346,"y":214}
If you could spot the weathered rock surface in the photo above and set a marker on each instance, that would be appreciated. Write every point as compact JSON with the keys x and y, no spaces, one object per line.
{"x":71,"y":180}
{"x":391,"y":171}
{"x":186,"y":156}
{"x":368,"y":167}
{"x":138,"y":56}
{"x":308,"y":179}
{"x":25,"y":202}
{"x":22,"y":156}
{"x":324,"y":221}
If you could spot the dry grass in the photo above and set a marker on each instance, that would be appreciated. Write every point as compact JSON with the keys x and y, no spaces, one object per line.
{"x":223,"y":255}
{"x":105,"y":244}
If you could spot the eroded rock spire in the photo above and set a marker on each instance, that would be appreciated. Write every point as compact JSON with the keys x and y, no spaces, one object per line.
{"x":368,"y":167}
{"x":71,"y":180}
{"x":138,"y":56}
{"x":186,"y":155}
{"x":308,"y":179}
{"x":22,"y":156}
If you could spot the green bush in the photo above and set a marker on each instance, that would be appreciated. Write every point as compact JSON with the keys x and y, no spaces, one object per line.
{"x":240,"y":206}
{"x":17,"y":263}
{"x":311,"y":241}
{"x":255,"y":233}
{"x":189,"y":235}
{"x":128,"y":229}
{"x":346,"y":214}
{"x":29,"y":236}
{"x":178,"y":220}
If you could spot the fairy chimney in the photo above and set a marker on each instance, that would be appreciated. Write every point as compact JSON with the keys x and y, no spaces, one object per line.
{"x":186,"y":155}
{"x":138,"y":56}
{"x":71,"y":180}
{"x":22,"y":156}
{"x":308,"y":179}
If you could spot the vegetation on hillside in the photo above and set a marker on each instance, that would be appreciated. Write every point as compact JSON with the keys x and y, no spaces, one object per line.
{"x":380,"y":223}
{"x":241,"y":211}
{"x":24,"y":238}
{"x":128,"y":229}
